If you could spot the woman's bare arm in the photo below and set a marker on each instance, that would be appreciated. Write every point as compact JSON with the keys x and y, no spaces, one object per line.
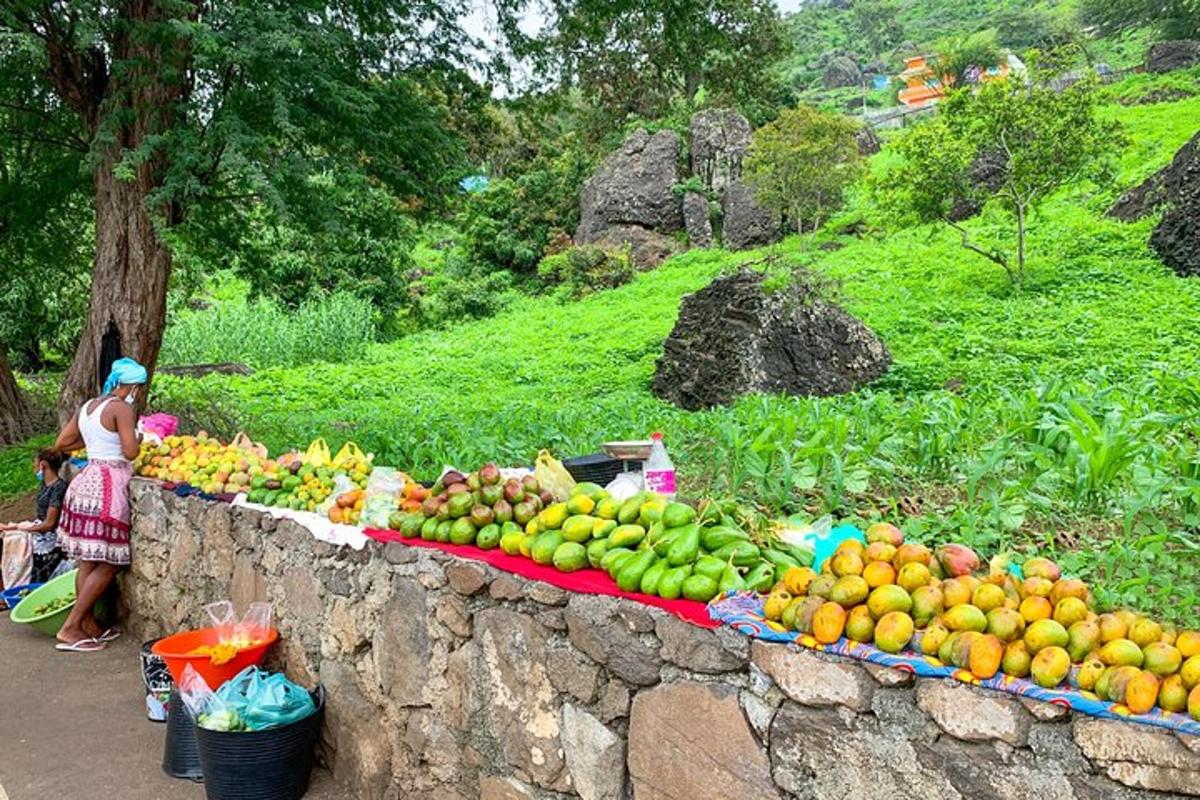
{"x":126,"y":419}
{"x":48,"y":524}
{"x":69,"y":438}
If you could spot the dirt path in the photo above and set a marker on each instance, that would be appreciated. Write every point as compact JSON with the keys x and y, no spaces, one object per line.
{"x":75,"y":728}
{"x":15,"y":509}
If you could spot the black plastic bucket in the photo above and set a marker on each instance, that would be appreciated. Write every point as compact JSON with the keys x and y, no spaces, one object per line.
{"x":181,"y":758}
{"x":596,"y":468}
{"x":273,"y":764}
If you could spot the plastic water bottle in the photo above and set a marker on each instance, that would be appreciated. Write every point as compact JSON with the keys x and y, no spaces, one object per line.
{"x":658,"y":471}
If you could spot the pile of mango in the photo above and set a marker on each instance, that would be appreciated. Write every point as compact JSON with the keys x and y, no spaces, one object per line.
{"x":940,"y":603}
{"x":645,"y":543}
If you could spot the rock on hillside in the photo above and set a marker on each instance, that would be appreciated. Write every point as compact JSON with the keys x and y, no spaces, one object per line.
{"x":1176,"y":188}
{"x":842,"y":71}
{"x":733,"y":339}
{"x":634,"y":188}
{"x":1177,"y":54}
{"x":718,"y":140}
{"x":744,"y":222}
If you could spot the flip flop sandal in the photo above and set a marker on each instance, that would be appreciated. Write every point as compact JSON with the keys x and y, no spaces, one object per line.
{"x":82,"y":646}
{"x":110,"y":635}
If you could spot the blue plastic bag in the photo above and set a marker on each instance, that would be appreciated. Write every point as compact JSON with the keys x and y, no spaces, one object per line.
{"x":265,"y":700}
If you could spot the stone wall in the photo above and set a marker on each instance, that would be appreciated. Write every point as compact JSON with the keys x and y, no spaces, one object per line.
{"x":447,"y":679}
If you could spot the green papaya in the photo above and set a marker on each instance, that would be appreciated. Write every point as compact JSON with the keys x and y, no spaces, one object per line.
{"x":569,"y":557}
{"x":803,"y":556}
{"x":685,"y":547}
{"x":761,"y":578}
{"x":614,"y":559}
{"x":779,"y":558}
{"x":731,"y":580}
{"x":460,"y":505}
{"x":510,"y":542}
{"x":709,"y":566}
{"x":488,"y":537}
{"x":544,"y":545}
{"x":443,"y":530}
{"x":578,"y":528}
{"x":627,"y":536}
{"x":670,"y":585}
{"x":510,"y":527}
{"x":716,"y":537}
{"x":630,"y":509}
{"x":603,"y":528}
{"x":650,"y":578}
{"x":742,"y":554}
{"x":410,"y":526}
{"x":596,"y":550}
{"x":699,"y":587}
{"x":462,"y":531}
{"x":429,"y":529}
{"x":676,"y":515}
{"x":661,"y":539}
{"x":629,"y":579}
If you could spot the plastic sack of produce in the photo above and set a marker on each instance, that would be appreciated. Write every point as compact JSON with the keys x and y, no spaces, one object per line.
{"x":819,"y":536}
{"x":246,"y":443}
{"x":317,"y":453}
{"x":341,"y":485}
{"x":349,"y":454}
{"x":382,"y":493}
{"x":252,"y":700}
{"x":553,"y":476}
{"x":161,"y":425}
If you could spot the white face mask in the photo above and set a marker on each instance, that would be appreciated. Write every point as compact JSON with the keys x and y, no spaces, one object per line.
{"x":131,"y":398}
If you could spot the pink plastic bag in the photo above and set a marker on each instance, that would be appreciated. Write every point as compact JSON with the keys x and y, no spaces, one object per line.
{"x":163,"y":425}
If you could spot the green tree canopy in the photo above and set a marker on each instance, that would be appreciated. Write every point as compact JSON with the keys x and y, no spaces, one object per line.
{"x":800,"y":164}
{"x":1040,"y":139}
{"x":1174,"y":19}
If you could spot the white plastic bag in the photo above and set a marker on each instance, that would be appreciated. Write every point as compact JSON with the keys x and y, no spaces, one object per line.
{"x":625,"y":486}
{"x":380,"y":500}
{"x":220,"y":616}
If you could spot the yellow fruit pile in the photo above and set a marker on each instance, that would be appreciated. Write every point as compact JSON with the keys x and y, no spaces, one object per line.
{"x":201,"y":461}
{"x":899,"y":595}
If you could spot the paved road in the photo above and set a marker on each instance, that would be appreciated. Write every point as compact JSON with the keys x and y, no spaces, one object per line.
{"x":74,"y":727}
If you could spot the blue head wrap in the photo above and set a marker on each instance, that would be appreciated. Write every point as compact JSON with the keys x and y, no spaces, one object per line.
{"x":124,"y":371}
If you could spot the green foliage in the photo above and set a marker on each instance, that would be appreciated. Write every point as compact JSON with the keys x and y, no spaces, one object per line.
{"x":1040,"y":139}
{"x":510,"y":224}
{"x":452,"y":289}
{"x":1174,"y":19}
{"x":878,"y":24}
{"x":958,"y":55}
{"x":261,"y":333}
{"x":1147,"y":87}
{"x":800,"y":164}
{"x":16,"y":469}
{"x":586,"y":269}
{"x":636,"y":58}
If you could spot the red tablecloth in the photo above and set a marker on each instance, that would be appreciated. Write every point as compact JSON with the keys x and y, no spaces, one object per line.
{"x":585,"y":581}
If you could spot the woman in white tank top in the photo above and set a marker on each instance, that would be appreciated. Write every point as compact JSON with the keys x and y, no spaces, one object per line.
{"x":94,"y":526}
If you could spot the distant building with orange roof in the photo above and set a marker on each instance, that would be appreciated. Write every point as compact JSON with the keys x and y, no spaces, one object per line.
{"x":923,"y":86}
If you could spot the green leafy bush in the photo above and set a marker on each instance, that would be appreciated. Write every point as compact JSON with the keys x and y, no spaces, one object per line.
{"x":586,"y":269}
{"x":261,"y":333}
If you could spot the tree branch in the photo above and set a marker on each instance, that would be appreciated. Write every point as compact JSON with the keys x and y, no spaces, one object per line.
{"x":994,"y":256}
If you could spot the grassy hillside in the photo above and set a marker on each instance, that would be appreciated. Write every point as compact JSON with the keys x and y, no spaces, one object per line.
{"x":1065,"y":429}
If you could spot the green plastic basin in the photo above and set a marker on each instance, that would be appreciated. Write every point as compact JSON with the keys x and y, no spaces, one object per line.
{"x":49,"y":623}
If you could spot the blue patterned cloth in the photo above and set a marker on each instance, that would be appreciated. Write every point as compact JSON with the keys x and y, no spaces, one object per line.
{"x":743,"y":611}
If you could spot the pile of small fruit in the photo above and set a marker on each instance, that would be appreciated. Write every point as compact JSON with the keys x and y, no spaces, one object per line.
{"x":942,"y":604}
{"x":201,"y":461}
{"x":56,"y":604}
{"x":645,"y":543}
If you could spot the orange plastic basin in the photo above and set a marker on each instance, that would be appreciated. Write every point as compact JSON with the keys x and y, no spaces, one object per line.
{"x":175,"y":650}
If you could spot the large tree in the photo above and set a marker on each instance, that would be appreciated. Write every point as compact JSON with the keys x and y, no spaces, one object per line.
{"x":636,"y":56}
{"x":187,"y":115}
{"x":14,"y":416}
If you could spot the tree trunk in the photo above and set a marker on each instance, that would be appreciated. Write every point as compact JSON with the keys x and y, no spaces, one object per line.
{"x":15,"y":422}
{"x":129,"y":286}
{"x":132,"y":264}
{"x":1020,"y":241}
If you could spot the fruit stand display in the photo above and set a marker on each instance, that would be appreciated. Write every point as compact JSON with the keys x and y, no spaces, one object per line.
{"x":940,"y":608}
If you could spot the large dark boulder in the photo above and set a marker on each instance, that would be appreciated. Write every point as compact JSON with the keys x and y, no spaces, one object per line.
{"x":697,"y":220}
{"x":1163,"y":187}
{"x":1173,"y":55}
{"x":634,"y":186}
{"x":717,"y":141}
{"x":744,"y":223}
{"x":1176,"y":190}
{"x":841,"y":72}
{"x":647,"y":248}
{"x":732,"y":339}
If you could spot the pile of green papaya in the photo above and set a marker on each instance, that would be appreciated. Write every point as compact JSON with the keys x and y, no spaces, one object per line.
{"x":646,"y":543}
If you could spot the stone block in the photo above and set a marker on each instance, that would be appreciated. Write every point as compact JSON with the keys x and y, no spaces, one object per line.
{"x":1157,"y":779}
{"x":452,"y":612}
{"x":814,"y":680}
{"x":506,"y":588}
{"x":698,"y":649}
{"x":691,"y":740}
{"x":887,"y":676}
{"x":596,"y":628}
{"x":595,"y":755}
{"x":572,"y":672}
{"x":1045,"y":712}
{"x":492,"y":787}
{"x":396,"y":553}
{"x":546,"y":594}
{"x":973,"y":715}
{"x":401,"y":646}
{"x":466,"y":578}
{"x":1109,"y":740}
{"x":614,"y":701}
